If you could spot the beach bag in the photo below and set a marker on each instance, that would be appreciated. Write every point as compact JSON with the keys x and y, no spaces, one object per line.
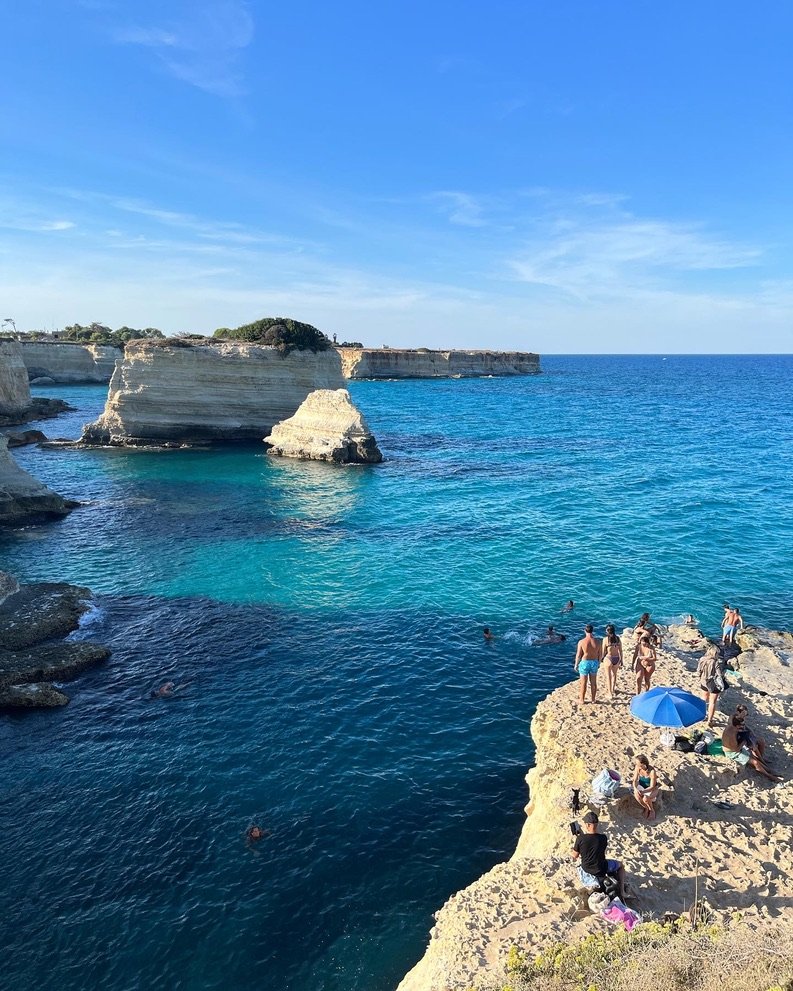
{"x":718,"y":680}
{"x":684,"y":744}
{"x":606,"y":783}
{"x":701,"y":747}
{"x":598,"y":901}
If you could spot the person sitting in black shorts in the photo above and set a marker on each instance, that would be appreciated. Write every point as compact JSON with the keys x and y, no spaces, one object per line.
{"x":590,"y":848}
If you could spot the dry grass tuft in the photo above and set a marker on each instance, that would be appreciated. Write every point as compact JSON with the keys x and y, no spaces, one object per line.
{"x":662,"y":957}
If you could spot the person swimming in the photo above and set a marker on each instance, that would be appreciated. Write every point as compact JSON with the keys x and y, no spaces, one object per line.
{"x":168,"y":689}
{"x":569,"y":606}
{"x":487,"y":634}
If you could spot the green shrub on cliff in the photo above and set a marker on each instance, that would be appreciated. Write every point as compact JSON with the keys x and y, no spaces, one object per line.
{"x":280,"y":332}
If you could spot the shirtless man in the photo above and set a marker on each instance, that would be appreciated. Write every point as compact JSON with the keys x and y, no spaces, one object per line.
{"x":728,"y":625}
{"x":737,"y":750}
{"x":587,"y":662}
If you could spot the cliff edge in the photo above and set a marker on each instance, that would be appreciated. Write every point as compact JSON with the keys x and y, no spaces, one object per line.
{"x":739,"y":858}
{"x":174,"y":392}
{"x":401,"y":363}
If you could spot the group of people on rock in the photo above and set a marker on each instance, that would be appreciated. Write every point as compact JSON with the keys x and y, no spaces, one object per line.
{"x":592,"y":652}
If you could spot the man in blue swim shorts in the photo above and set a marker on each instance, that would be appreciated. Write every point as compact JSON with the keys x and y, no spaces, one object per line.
{"x":587,"y":662}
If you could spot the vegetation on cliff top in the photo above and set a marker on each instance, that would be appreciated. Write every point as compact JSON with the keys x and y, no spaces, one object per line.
{"x":93,"y":333}
{"x":280,"y":332}
{"x":673,"y":956}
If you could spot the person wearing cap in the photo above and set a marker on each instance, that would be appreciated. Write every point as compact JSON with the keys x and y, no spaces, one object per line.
{"x":590,"y":849}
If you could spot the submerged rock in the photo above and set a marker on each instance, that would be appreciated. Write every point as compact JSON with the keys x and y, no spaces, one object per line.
{"x":31,"y":618}
{"x":326,"y":427}
{"x":23,"y":498}
{"x":26,"y":437}
{"x":39,"y":695}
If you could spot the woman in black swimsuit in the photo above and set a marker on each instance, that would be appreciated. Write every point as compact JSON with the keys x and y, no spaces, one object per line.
{"x":611,"y":655}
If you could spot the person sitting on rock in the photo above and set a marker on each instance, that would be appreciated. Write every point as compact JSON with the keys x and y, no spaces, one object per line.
{"x":746,"y":736}
{"x":590,"y":849}
{"x":735,"y":747}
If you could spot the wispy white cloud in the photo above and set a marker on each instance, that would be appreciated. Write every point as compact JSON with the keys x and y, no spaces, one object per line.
{"x":202,"y":47}
{"x":460,"y":208}
{"x":618,"y":257}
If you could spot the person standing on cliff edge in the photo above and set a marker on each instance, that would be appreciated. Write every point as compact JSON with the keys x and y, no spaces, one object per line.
{"x":587,"y":662}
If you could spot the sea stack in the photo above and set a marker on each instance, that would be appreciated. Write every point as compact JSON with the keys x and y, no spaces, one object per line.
{"x":176,"y":392}
{"x":326,"y":427}
{"x":23,"y":498}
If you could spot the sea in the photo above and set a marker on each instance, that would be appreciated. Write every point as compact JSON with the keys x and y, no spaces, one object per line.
{"x":327,"y":623}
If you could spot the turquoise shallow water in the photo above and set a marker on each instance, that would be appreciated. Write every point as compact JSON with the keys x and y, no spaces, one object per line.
{"x":330,"y":620}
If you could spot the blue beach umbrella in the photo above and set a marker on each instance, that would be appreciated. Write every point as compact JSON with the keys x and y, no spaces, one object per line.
{"x":668,"y":707}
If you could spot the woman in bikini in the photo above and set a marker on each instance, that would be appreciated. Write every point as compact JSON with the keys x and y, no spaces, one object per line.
{"x":611,"y":654}
{"x":645,"y":786}
{"x":644,"y":663}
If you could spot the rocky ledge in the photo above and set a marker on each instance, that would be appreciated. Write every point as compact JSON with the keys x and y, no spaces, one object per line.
{"x":400,"y":363}
{"x":23,"y":498}
{"x":326,"y":427}
{"x":738,"y":854}
{"x":175,"y":393}
{"x":34,"y":619}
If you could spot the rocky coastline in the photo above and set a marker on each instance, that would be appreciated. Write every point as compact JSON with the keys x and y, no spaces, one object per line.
{"x":399,"y":363}
{"x":738,"y":857}
{"x":23,"y":498}
{"x":35,"y":620}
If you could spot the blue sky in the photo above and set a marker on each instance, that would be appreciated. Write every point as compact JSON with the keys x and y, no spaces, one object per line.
{"x":608,"y":176}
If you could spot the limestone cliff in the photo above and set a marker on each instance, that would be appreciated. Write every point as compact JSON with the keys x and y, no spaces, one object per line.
{"x":326,"y":427}
{"x":14,"y":388}
{"x":65,"y":362}
{"x":16,"y":405}
{"x":177,"y":393}
{"x":739,"y":857}
{"x":401,"y":363}
{"x":24,"y":499}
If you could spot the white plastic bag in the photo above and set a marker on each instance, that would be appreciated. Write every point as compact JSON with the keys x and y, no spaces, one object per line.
{"x":606,"y":783}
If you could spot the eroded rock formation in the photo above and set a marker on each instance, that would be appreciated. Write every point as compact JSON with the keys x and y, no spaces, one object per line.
{"x":400,"y":363}
{"x":33,"y":620}
{"x":178,"y":393}
{"x":23,"y":498}
{"x":739,"y":859}
{"x":66,"y":362}
{"x":326,"y":427}
{"x":16,"y":404}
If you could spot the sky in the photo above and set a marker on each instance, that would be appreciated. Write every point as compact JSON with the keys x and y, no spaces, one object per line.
{"x":600,"y":176}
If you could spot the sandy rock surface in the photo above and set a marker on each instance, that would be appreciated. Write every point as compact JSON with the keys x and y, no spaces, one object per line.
{"x":739,"y":858}
{"x":326,"y":427}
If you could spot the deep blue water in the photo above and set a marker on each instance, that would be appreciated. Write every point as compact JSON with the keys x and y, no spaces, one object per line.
{"x":330,"y":622}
